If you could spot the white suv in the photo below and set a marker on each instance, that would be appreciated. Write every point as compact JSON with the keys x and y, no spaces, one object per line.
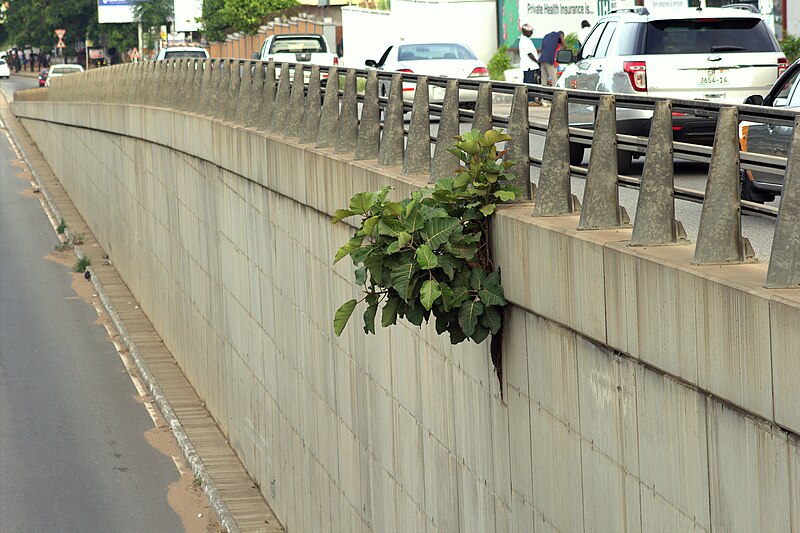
{"x":716,"y":54}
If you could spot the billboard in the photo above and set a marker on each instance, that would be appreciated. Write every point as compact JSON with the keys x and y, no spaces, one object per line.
{"x":114,"y":11}
{"x":565,"y":15}
{"x":186,"y":14}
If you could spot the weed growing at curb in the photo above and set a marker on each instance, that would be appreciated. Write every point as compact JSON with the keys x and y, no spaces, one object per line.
{"x":198,"y":481}
{"x":62,"y":226}
{"x":63,"y":246}
{"x":78,"y":239}
{"x":81,"y":264}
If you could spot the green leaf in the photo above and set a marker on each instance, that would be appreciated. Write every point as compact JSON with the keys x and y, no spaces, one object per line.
{"x":403,"y":238}
{"x":488,"y":209}
{"x":389,"y":312}
{"x":361,"y":275}
{"x":429,"y":292}
{"x":462,"y":251}
{"x":457,"y":295}
{"x":401,"y":279}
{"x":438,"y":230}
{"x":468,"y":316}
{"x":442,"y":324}
{"x":345,"y":250}
{"x":426,"y":258}
{"x":462,"y":180}
{"x":393,"y":248}
{"x":370,"y":223}
{"x":492,"y":294}
{"x":505,"y":196}
{"x":374,"y":262}
{"x":445,"y":184}
{"x":362,"y":202}
{"x":480,"y":334}
{"x":476,"y":278}
{"x":369,"y":318}
{"x":340,"y":215}
{"x":492,"y":319}
{"x":394,"y":209}
{"x":342,"y":316}
{"x":448,"y":264}
{"x":415,"y":313}
{"x":414,"y":219}
{"x":456,"y":333}
{"x":390,"y":227}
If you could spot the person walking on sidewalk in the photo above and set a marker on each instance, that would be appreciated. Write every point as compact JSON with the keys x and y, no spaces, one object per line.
{"x":529,"y":60}
{"x":547,"y":59}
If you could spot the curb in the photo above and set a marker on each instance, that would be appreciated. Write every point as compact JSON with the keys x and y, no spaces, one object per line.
{"x":219,"y":506}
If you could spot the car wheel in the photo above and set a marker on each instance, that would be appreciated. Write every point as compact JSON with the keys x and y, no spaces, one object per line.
{"x":750,"y":193}
{"x":624,"y":162}
{"x":576,"y":152}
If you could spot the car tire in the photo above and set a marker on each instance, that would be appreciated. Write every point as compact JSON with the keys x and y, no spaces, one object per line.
{"x":576,"y":153}
{"x":624,"y":162}
{"x":751,"y":194}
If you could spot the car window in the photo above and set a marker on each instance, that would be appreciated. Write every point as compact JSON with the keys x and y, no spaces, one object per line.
{"x":794,"y":98}
{"x":589,"y":48}
{"x":422,"y":52}
{"x":703,"y":36}
{"x":782,"y":95}
{"x":2,"y":62}
{"x":298,"y":45}
{"x":605,"y":39}
{"x":184,"y":54}
{"x":65,"y":69}
{"x":631,"y":38}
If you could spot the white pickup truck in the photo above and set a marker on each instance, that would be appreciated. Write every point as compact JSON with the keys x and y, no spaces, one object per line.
{"x":309,"y":48}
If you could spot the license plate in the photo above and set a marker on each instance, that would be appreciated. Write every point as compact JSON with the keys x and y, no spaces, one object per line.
{"x":713,"y":77}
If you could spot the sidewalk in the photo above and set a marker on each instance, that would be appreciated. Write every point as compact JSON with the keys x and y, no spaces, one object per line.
{"x":232,"y":493}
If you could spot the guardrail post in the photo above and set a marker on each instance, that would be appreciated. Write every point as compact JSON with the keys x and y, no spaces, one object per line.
{"x":784,"y":261}
{"x":347,"y":128}
{"x":417,"y":159}
{"x":719,"y":237}
{"x":256,"y":94}
{"x":184,"y":84}
{"x":519,"y":146}
{"x":210,"y":87}
{"x":391,"y":152}
{"x":655,"y":212}
{"x":161,"y":81}
{"x":207,"y":82}
{"x":245,"y":89}
{"x":268,"y":98}
{"x":281,"y":101}
{"x":329,"y":121}
{"x":297,"y":100}
{"x":444,"y":164}
{"x":482,"y":119}
{"x":554,"y":194}
{"x":369,"y":131}
{"x":601,"y":209}
{"x":234,"y":86}
{"x":179,"y":84}
{"x":313,"y":108}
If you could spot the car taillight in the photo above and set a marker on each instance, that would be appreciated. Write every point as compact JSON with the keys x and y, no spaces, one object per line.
{"x":479,"y":72}
{"x":335,"y":61}
{"x":783,"y":64}
{"x":637,"y":72}
{"x":406,"y":70}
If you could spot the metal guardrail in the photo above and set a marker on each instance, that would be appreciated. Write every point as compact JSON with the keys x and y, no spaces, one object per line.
{"x":315,"y":109}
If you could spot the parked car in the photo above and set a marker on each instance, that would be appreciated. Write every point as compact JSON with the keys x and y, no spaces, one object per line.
{"x":5,"y":72}
{"x":453,"y":60}
{"x":61,"y":70}
{"x":42,"y":77}
{"x":182,"y":52}
{"x":758,"y":186}
{"x":715,"y":54}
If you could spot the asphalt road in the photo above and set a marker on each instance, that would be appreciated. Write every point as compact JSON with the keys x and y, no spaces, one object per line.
{"x":73,"y":452}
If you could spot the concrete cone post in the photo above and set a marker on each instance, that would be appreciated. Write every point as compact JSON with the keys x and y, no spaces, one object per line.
{"x":245,"y":91}
{"x":444,"y":164}
{"x":417,"y":159}
{"x":268,"y":95}
{"x":369,"y":130}
{"x":297,"y":100}
{"x":347,"y":127}
{"x":282,"y":101}
{"x":482,"y":120}
{"x":554,"y":194}
{"x":519,"y":146}
{"x":601,"y":209}
{"x":313,"y":108}
{"x":392,"y":141}
{"x":210,"y":80}
{"x":655,"y":212}
{"x":329,"y":120}
{"x":232,"y":99}
{"x":256,"y":94}
{"x":719,"y":237}
{"x":784,"y":261}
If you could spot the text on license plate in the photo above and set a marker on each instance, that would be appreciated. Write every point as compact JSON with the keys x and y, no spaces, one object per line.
{"x":713,"y":77}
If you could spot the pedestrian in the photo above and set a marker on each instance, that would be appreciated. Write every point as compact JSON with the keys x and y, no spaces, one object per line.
{"x":547,"y":59}
{"x":529,"y":61}
{"x":583,"y":33}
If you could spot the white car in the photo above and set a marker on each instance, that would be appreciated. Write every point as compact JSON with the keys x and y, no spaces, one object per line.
{"x":452,"y":60}
{"x":716,"y":54}
{"x":61,"y":70}
{"x":182,"y":52}
{"x":5,"y":72}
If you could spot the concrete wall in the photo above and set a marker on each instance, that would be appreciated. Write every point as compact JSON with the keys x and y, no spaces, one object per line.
{"x":640,"y":394}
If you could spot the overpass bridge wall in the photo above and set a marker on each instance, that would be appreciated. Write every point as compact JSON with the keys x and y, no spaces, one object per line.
{"x":639,"y":392}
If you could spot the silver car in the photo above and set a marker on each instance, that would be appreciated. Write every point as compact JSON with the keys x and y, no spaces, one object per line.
{"x":759,"y":186}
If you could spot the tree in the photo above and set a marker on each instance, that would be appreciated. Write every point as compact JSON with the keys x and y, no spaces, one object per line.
{"x":152,"y":14}
{"x":213,"y":20}
{"x":221,"y":16}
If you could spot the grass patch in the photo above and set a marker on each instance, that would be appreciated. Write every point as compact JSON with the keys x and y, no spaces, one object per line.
{"x":63,"y":246}
{"x":81,"y":264}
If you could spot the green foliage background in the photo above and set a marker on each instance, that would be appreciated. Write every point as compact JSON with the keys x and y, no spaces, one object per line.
{"x":790,"y":45}
{"x":499,"y":63}
{"x":220,"y":17}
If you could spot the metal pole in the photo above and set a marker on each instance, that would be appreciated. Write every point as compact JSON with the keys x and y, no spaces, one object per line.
{"x":141,"y":50}
{"x":86,"y":46}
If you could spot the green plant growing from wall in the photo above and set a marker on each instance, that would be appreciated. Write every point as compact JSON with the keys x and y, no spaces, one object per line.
{"x":571,"y":40}
{"x":499,"y":63}
{"x":430,"y":254}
